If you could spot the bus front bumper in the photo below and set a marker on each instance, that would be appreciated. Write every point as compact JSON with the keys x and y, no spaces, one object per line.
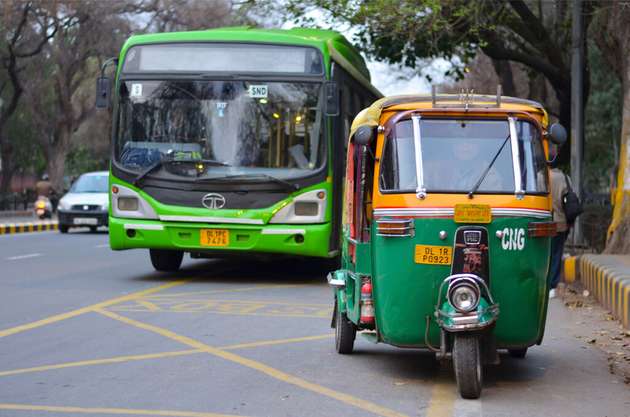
{"x":293,"y":239}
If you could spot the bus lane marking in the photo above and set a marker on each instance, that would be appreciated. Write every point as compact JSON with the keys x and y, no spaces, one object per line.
{"x":148,"y":356}
{"x":260,"y":367}
{"x":233,"y":307}
{"x":27,"y":256}
{"x":103,"y":410}
{"x":227,"y":290}
{"x":87,"y":309}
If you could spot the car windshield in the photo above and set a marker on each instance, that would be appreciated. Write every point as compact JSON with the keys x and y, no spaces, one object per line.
{"x":237,"y":127}
{"x":456,"y":153}
{"x":90,"y":184}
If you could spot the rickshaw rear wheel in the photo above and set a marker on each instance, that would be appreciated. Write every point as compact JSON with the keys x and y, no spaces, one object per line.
{"x":467,"y":365}
{"x":518,"y":353}
{"x":345,"y":332}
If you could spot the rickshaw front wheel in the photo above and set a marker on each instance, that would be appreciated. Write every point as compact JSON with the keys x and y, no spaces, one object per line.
{"x":345,"y":332}
{"x":467,"y":365}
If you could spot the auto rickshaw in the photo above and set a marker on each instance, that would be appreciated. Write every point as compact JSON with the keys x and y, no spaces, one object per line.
{"x":447,"y":229}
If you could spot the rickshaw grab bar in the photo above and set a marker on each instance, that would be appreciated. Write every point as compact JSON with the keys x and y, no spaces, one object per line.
{"x":421,"y":191}
{"x":516,"y":159}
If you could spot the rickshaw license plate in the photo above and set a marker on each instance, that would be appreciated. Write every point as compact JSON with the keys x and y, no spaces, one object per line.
{"x":214,"y":237}
{"x":472,"y":213}
{"x":433,"y":255}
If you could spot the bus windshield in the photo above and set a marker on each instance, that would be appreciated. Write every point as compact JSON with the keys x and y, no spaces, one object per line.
{"x":245,"y":128}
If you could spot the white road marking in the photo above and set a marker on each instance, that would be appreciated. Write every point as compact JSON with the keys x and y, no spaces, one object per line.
{"x":30,"y":255}
{"x":106,"y":245}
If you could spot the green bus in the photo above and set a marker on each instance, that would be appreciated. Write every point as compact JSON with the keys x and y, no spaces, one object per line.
{"x":231,"y":141}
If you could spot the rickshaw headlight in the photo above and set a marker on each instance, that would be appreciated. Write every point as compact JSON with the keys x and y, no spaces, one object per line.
{"x":464,"y":297}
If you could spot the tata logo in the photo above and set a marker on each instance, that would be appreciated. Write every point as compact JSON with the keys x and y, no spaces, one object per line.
{"x":213,"y":201}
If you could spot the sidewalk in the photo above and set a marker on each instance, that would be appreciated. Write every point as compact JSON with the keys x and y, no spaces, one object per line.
{"x":607,"y":277}
{"x":21,"y":222}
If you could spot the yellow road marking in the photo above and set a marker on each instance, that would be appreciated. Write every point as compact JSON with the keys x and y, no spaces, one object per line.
{"x":442,"y":401}
{"x":127,"y":411}
{"x":147,"y":304}
{"x":131,"y":309}
{"x":257,"y":287}
{"x":160,"y":298}
{"x":129,"y":358}
{"x":116,"y":359}
{"x":277,"y":342}
{"x":268,"y":370}
{"x":78,"y":312}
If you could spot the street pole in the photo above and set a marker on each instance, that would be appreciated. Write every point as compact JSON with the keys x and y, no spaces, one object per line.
{"x":577,"y":109}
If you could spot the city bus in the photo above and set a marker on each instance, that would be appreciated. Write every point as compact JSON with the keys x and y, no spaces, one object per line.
{"x":231,"y":141}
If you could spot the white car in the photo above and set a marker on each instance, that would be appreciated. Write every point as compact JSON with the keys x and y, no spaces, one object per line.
{"x":86,"y":204}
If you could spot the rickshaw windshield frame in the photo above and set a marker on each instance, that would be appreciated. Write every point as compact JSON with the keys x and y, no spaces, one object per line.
{"x":511,"y":119}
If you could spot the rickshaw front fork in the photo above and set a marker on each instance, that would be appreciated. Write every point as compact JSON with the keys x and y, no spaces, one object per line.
{"x":489,"y":352}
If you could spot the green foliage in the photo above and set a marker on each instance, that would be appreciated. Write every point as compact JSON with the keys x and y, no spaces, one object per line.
{"x":82,"y":159}
{"x":602,"y":126}
{"x":27,"y":153}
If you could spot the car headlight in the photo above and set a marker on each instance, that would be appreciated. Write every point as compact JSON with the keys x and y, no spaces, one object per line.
{"x":308,"y":207}
{"x":463,"y":295}
{"x":63,"y":205}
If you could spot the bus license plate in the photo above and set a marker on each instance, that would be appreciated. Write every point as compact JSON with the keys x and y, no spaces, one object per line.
{"x":214,"y":237}
{"x":472,"y":213}
{"x":433,"y":255}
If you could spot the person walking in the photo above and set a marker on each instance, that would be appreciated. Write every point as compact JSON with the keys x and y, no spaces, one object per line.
{"x":560,"y":183}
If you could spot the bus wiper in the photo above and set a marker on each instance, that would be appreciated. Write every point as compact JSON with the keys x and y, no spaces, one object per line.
{"x":485,"y":172}
{"x":157,"y":164}
{"x":287,"y":184}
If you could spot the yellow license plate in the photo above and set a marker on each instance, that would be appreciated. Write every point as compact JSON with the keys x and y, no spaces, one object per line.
{"x":214,"y":237}
{"x":472,"y":213}
{"x":433,"y":255}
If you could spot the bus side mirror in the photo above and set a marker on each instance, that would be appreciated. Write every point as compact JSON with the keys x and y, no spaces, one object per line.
{"x":103,"y":92}
{"x":332,"y":98}
{"x":364,"y":135}
{"x":557,"y":134}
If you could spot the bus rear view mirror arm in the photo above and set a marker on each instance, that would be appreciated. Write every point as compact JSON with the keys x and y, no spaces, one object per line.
{"x":331,"y":92}
{"x":104,"y":85}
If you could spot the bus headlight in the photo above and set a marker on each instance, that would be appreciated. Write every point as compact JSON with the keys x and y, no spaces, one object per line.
{"x":309,"y":207}
{"x":128,"y":203}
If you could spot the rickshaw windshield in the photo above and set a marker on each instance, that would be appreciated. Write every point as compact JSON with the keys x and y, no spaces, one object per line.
{"x":456,"y":153}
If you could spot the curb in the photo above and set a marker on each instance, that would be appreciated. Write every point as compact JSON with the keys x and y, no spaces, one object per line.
{"x":607,"y":277}
{"x":12,"y":228}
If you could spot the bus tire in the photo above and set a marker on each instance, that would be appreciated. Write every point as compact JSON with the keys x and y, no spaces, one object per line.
{"x":467,"y":365}
{"x":166,"y":260}
{"x":518,"y":353}
{"x":345,"y":333}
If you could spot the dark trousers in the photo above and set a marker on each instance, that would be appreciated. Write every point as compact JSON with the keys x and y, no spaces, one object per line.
{"x":557,"y":248}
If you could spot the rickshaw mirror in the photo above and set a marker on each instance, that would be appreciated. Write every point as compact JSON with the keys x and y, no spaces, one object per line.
{"x":103,"y":92}
{"x":364,"y":135}
{"x":332,"y":98}
{"x":557,"y":134}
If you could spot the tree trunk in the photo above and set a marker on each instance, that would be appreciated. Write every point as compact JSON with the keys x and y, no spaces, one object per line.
{"x":6,"y":152}
{"x":619,"y":230}
{"x":503,"y":69}
{"x":56,"y":159}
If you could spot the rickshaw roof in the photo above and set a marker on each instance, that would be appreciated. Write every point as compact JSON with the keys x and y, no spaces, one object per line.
{"x":480,"y":103}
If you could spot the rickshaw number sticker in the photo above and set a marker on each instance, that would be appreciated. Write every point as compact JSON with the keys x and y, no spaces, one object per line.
{"x":472,"y":213}
{"x":513,"y":239}
{"x":258,"y":91}
{"x":433,"y":255}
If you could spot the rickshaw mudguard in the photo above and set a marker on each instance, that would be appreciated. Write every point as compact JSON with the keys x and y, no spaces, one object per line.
{"x":484,"y":316}
{"x":344,"y":283}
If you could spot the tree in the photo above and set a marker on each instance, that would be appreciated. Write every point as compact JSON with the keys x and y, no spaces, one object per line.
{"x":24,"y":31}
{"x":536,"y":34}
{"x":612,"y":34}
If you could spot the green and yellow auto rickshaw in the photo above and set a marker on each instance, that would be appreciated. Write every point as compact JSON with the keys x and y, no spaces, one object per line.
{"x":447,"y":229}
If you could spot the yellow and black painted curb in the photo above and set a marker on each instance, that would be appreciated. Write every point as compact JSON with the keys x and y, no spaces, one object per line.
{"x":607,"y":277}
{"x":11,"y":228}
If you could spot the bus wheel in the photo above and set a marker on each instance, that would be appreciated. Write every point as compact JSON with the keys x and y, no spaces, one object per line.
{"x":345,"y":332}
{"x":166,"y":260}
{"x":518,"y":353}
{"x":467,"y":365}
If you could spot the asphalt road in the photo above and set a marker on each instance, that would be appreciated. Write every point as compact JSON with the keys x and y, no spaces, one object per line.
{"x":88,"y":331}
